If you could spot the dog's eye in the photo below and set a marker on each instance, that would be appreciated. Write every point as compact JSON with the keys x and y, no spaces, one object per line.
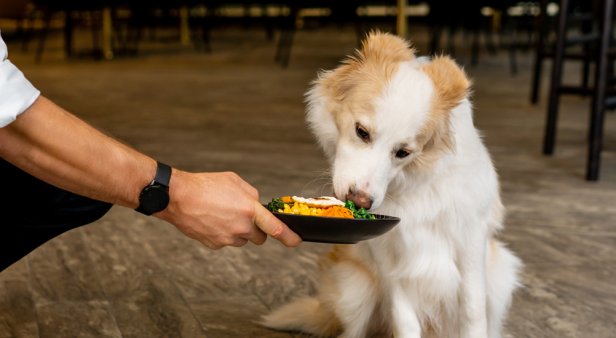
{"x":401,"y":153}
{"x":362,"y":133}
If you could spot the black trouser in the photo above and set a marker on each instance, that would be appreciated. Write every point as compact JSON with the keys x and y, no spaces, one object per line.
{"x":33,"y":212}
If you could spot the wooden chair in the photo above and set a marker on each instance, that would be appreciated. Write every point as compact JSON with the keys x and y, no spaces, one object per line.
{"x":579,"y":18}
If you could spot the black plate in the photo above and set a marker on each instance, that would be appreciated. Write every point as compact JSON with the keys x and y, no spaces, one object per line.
{"x":335,"y":229}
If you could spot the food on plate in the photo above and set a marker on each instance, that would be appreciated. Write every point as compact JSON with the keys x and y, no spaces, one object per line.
{"x":324,"y":206}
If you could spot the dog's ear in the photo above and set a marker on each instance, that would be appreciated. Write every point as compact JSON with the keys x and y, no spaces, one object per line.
{"x":321,"y":120}
{"x":451,"y":84}
{"x":338,"y":82}
{"x":378,"y":59}
{"x":450,"y":87}
{"x":383,"y":48}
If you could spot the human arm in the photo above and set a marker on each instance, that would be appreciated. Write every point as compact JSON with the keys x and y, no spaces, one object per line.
{"x":217,"y":209}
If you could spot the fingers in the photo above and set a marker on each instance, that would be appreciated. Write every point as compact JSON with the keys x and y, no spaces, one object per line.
{"x":216,"y":245}
{"x":209,"y":244}
{"x":257,"y":237}
{"x":239,"y":242}
{"x":234,"y":215}
{"x":272,"y":226}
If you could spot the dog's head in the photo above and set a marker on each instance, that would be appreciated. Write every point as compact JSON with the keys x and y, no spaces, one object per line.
{"x":382,"y":114}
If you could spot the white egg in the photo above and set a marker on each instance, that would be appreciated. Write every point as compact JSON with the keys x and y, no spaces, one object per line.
{"x":320,"y":202}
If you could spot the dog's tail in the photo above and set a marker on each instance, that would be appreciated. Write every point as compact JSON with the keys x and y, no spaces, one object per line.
{"x":306,"y":315}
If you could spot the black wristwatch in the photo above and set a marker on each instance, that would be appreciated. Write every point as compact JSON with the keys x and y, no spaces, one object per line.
{"x":155,"y":196}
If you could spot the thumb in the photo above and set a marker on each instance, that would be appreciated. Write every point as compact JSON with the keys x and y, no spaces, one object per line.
{"x":272,"y":226}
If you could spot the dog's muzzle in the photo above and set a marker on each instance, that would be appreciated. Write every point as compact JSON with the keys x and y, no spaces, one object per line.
{"x":360,"y":198}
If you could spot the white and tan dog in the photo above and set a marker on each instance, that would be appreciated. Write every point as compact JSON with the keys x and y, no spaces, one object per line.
{"x":399,"y":133}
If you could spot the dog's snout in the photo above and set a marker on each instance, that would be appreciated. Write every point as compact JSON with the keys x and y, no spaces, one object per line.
{"x":360,"y":198}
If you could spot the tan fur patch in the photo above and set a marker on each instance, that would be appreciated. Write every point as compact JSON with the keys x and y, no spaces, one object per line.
{"x":338,"y":253}
{"x":450,"y":83}
{"x":353,"y":86}
{"x":451,"y":86}
{"x":342,"y":253}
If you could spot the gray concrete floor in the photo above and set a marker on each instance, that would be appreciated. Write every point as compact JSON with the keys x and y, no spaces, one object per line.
{"x":128,"y":275}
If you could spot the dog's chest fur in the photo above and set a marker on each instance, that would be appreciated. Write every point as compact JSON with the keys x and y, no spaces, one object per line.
{"x":421,"y":253}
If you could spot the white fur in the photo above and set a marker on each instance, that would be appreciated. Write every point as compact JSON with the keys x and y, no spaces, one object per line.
{"x":439,"y":273}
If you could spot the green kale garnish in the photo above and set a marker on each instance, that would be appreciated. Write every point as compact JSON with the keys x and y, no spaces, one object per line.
{"x":275,"y":205}
{"x":360,"y":213}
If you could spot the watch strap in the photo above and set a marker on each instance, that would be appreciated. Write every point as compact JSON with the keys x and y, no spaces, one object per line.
{"x":163,"y":174}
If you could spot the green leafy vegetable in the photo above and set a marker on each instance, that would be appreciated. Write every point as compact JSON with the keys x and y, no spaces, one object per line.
{"x":360,"y":213}
{"x":275,"y":205}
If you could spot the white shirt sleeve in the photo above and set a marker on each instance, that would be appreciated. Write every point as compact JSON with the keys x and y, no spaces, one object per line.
{"x":16,"y":93}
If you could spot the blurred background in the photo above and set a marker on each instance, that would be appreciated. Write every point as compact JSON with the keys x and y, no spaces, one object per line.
{"x":115,"y":28}
{"x":218,"y":86}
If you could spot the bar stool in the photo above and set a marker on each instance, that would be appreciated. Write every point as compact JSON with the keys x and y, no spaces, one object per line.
{"x":544,"y":47}
{"x":601,"y":56}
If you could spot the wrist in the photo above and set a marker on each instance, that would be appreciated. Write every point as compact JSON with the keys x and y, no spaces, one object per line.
{"x":175,"y":186}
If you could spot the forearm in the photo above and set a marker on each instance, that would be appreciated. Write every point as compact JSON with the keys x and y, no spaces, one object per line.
{"x":216,"y":209}
{"x":57,"y":147}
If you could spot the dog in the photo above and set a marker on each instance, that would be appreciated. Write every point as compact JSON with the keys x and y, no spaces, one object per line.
{"x":398,"y":132}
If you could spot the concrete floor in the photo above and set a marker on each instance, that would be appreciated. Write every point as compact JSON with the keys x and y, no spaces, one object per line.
{"x":128,"y":275}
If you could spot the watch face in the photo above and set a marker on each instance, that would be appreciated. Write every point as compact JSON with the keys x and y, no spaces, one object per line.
{"x":154,"y":199}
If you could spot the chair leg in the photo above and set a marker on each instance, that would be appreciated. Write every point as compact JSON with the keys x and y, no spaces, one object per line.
{"x":587,"y":51}
{"x":435,"y":39}
{"x":557,"y":68}
{"x":269,"y":26}
{"x":97,"y":26}
{"x":28,"y":29}
{"x":597,"y":115}
{"x":43,"y":36}
{"x":586,"y":66}
{"x":512,"y":49}
{"x":537,"y":70}
{"x":68,"y":33}
{"x":513,"y":60}
{"x":207,"y":23}
{"x":474,"y":46}
{"x":451,"y":44}
{"x":542,"y":31}
{"x":283,"y":51}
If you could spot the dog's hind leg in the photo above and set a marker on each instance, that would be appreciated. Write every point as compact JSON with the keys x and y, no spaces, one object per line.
{"x":502,"y":279}
{"x":347,"y":299}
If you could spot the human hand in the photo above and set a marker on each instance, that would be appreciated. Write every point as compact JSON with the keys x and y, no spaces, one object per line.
{"x":221,"y":209}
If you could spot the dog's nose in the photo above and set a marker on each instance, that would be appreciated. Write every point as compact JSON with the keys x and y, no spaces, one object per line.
{"x":360,"y":198}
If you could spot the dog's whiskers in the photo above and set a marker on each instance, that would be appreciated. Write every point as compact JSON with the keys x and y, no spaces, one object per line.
{"x":323,"y":175}
{"x":324,"y":188}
